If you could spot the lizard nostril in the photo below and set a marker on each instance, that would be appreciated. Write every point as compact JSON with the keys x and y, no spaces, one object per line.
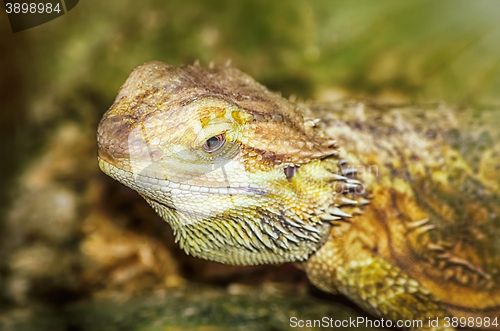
{"x":156,"y":154}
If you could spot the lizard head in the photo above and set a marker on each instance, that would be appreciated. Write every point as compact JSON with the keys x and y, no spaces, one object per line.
{"x":235,"y":169}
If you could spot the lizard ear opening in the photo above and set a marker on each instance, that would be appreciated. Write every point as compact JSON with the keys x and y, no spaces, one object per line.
{"x":290,"y":171}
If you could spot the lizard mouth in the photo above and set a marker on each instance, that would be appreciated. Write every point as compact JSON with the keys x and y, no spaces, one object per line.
{"x":143,"y":183}
{"x":105,"y":156}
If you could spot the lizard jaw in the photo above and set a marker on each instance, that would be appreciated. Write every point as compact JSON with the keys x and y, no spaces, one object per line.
{"x":175,"y":188}
{"x":221,"y":234}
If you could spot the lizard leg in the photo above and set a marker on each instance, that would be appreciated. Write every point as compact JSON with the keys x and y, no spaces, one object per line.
{"x":376,"y":286}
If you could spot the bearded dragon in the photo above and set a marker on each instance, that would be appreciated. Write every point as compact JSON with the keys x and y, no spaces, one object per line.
{"x":369,"y":205}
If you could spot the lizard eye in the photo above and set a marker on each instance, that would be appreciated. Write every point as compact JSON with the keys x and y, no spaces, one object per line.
{"x":214,"y":143}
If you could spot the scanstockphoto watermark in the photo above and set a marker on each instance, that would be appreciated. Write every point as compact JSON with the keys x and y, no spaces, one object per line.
{"x":328,"y":322}
{"x":360,"y":170}
{"x":347,"y":183}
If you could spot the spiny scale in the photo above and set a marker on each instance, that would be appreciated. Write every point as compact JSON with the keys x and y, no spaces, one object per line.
{"x":337,"y":212}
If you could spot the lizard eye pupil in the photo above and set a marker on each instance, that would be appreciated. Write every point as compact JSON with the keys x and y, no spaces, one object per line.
{"x":214,"y":143}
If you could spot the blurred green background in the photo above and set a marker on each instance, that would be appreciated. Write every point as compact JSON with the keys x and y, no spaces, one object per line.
{"x":423,"y":51}
{"x":57,"y":80}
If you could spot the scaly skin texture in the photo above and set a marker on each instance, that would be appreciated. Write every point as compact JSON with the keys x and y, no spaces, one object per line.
{"x":381,"y":205}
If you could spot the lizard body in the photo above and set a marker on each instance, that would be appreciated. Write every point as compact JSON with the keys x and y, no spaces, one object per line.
{"x":244,"y":178}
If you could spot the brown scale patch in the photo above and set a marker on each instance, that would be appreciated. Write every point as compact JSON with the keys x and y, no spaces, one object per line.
{"x":206,"y":114}
{"x":272,"y":123}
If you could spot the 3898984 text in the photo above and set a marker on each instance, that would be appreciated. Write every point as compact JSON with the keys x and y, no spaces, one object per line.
{"x":471,"y":322}
{"x":32,"y":8}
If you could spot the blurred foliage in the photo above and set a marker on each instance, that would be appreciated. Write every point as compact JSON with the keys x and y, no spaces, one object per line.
{"x":196,"y":308}
{"x":425,"y":50}
{"x":406,"y":50}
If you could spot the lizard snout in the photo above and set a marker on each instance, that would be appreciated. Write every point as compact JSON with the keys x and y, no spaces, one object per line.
{"x":114,"y":138}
